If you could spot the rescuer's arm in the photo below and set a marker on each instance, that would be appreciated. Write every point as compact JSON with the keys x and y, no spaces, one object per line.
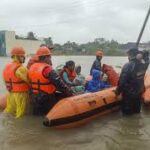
{"x":57,"y":81}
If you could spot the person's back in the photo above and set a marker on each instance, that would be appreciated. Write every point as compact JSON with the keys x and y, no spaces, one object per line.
{"x":44,"y":82}
{"x":15,"y":76}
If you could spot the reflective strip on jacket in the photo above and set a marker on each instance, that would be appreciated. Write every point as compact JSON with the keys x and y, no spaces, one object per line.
{"x":14,"y":83}
{"x":37,"y":81}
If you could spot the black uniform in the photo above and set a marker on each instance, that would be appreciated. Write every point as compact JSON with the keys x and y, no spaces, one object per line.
{"x":131,"y":85}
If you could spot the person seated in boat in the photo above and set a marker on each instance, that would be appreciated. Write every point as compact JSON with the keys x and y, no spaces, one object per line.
{"x":34,"y":58}
{"x":68,"y":73}
{"x":79,"y":79}
{"x":44,"y":82}
{"x":97,"y":62}
{"x":95,"y":84}
{"x":16,"y":81}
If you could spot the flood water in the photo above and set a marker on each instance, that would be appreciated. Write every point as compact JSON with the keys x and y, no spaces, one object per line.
{"x":110,"y":132}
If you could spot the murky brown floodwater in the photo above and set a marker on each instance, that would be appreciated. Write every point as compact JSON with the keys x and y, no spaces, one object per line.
{"x":111,"y":132}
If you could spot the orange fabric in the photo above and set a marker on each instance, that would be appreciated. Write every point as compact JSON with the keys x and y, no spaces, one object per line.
{"x":43,"y":51}
{"x":113,"y":76}
{"x":18,"y":51}
{"x":83,"y":104}
{"x":146,"y":94}
{"x":71,"y":74}
{"x":12,"y":82}
{"x":38,"y":81}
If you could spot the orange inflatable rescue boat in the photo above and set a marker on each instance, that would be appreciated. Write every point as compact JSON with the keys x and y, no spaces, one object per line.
{"x":146,"y":94}
{"x":3,"y":101}
{"x":74,"y":111}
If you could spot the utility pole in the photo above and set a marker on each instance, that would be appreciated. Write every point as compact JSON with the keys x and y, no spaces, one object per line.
{"x":143,"y":27}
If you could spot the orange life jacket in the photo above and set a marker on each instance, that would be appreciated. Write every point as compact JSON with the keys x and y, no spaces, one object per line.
{"x":71,"y":74}
{"x":38,"y":82}
{"x":12,"y":82}
{"x":113,"y":76}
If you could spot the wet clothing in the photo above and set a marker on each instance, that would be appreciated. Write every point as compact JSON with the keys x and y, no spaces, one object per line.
{"x":131,"y":85}
{"x":43,"y":101}
{"x":130,"y":104}
{"x":96,"y":65}
{"x":17,"y":101}
{"x":95,"y":84}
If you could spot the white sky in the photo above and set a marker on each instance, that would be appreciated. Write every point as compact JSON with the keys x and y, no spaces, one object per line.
{"x":76,"y":20}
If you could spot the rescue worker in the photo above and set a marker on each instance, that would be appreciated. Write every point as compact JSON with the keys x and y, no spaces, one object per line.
{"x":97,"y":63}
{"x":44,"y":82}
{"x":15,"y":77}
{"x":68,"y":73}
{"x":34,"y":59}
{"x":131,"y":81}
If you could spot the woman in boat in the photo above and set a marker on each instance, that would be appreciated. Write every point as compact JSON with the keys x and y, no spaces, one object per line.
{"x":69,"y":76}
{"x":68,"y":73}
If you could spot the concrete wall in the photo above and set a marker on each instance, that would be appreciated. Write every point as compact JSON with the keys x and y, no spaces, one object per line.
{"x":30,"y":46}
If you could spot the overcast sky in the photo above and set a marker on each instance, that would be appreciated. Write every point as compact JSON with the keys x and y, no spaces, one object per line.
{"x":76,"y":20}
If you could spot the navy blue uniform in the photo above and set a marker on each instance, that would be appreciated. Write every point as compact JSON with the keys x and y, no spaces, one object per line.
{"x":131,"y":85}
{"x":96,"y":65}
